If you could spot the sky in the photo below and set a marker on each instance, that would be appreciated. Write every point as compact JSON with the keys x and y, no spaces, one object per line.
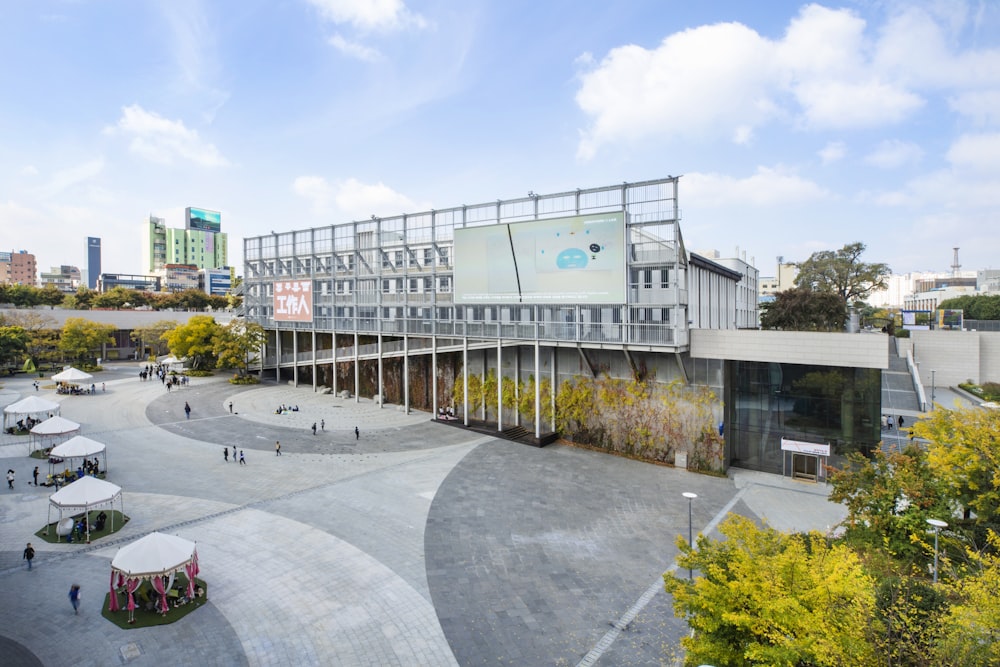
{"x":794,"y":127}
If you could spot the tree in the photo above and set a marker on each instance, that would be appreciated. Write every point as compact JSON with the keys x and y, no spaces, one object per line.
{"x":971,"y":630}
{"x":80,"y":337}
{"x":151,"y":336}
{"x":975,"y":307}
{"x":120,"y":297}
{"x":23,"y":296}
{"x":13,"y":340}
{"x":766,"y":598}
{"x":192,"y":299}
{"x":238,"y":344}
{"x":843,"y":273}
{"x":51,"y":296}
{"x":963,"y":451}
{"x":81,"y":300}
{"x":43,"y":334}
{"x":802,"y":309}
{"x":195,"y":340}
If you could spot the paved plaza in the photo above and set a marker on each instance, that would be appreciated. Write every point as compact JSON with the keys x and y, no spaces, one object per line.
{"x":412,"y":544}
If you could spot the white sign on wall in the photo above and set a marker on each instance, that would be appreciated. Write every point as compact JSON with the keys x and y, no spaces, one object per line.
{"x":800,"y":447}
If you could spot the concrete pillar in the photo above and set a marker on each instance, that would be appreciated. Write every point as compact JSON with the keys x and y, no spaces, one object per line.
{"x":277,"y":358}
{"x":434,"y":376}
{"x":295,"y":358}
{"x":313,"y":332}
{"x":406,"y":374}
{"x":357,"y":369}
{"x":381,"y":386}
{"x":465,"y":378}
{"x":499,"y":385}
{"x":334,"y":366}
{"x":538,"y":391}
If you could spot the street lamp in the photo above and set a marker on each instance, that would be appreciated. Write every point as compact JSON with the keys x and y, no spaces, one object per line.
{"x":932,"y":389}
{"x":690,"y":496}
{"x":938,"y":525}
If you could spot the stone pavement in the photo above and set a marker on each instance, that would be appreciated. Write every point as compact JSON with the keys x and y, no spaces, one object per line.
{"x":415,"y":544}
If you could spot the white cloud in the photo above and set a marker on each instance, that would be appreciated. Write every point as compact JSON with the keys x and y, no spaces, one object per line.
{"x":830,"y":70}
{"x":766,"y":187}
{"x":70,"y":177}
{"x":162,"y":140}
{"x":982,"y":106}
{"x":355,"y":49}
{"x":29,"y":170}
{"x":353,"y":198}
{"x":369,"y":15}
{"x":893,"y":153}
{"x":977,"y":152}
{"x":833,"y":152}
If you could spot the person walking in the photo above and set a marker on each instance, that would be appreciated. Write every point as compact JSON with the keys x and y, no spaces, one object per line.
{"x":187,"y":410}
{"x":230,"y":407}
{"x":899,"y":421}
{"x":243,"y":461}
{"x":29,"y":554}
{"x":103,"y":388}
{"x":277,"y":448}
{"x":888,"y":422}
{"x":10,"y":478}
{"x":314,"y":428}
{"x":225,"y":454}
{"x":74,"y":597}
{"x":34,"y":473}
{"x":322,"y":424}
{"x":357,"y":433}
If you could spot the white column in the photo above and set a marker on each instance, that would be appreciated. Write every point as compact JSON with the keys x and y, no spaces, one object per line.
{"x":295,"y":357}
{"x":277,"y":359}
{"x":381,"y":387}
{"x":357,"y":369}
{"x":406,"y":374}
{"x":499,"y":386}
{"x":554,"y":377}
{"x":434,"y":376}
{"x":465,"y":378}
{"x":538,"y":392}
{"x":334,"y":363}
{"x":314,"y":357}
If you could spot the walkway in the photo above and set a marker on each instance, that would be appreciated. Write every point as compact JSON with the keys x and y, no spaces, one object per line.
{"x":414,"y":544}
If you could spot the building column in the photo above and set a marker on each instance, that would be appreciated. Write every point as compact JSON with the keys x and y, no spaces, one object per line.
{"x":517,"y":382}
{"x":295,"y":357}
{"x":538,"y":391}
{"x":334,"y":366}
{"x":381,"y":385}
{"x":553,"y":392}
{"x":465,"y":378}
{"x":406,"y":374}
{"x":357,"y":369}
{"x":277,"y":358}
{"x":434,"y":376}
{"x":499,"y":386}
{"x":313,"y":332}
{"x":482,"y":385}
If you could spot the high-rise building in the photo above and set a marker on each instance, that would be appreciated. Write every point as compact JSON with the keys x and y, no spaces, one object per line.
{"x":18,"y":268}
{"x":93,"y":261}
{"x":201,"y":243}
{"x":64,"y":278}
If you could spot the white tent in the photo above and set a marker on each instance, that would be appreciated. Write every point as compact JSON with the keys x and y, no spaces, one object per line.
{"x":77,"y":447}
{"x":84,"y":495}
{"x":32,"y":406}
{"x":153,"y":557}
{"x":51,"y":431}
{"x":71,"y":374}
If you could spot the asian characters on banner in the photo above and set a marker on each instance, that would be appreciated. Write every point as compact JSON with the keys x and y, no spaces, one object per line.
{"x":293,"y":301}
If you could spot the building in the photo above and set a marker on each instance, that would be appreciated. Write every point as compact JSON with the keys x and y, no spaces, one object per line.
{"x":64,"y":278}
{"x":201,"y":243}
{"x":215,"y":282}
{"x":553,"y":287}
{"x":93,"y":261}
{"x":783,"y":280}
{"x":109,"y":281}
{"x":18,"y":268}
{"x":180,"y":277}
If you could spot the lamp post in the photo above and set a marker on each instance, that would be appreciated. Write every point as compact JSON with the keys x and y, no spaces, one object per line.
{"x":932,"y":389}
{"x":938,"y":524}
{"x":690,"y":496}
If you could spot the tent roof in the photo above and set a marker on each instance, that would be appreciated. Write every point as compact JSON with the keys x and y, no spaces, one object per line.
{"x":77,"y":446}
{"x":86,"y":493}
{"x":55,"y":426}
{"x":30,"y":406}
{"x":154,"y":554}
{"x":71,"y":374}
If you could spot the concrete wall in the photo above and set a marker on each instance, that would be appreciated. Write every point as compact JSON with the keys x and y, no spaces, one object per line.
{"x":862,"y":350}
{"x":957,"y":356}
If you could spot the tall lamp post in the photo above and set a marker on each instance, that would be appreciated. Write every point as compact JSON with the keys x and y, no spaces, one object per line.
{"x":932,"y":389}
{"x":938,"y":524}
{"x":690,"y":496}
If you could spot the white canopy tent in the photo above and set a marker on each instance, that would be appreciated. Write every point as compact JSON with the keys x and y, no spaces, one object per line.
{"x":77,"y":447}
{"x":51,"y":432}
{"x":33,"y":406}
{"x":84,"y":495}
{"x":70,"y":374}
{"x":154,"y":557}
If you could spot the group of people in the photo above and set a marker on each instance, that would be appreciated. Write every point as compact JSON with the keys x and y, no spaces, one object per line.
{"x":242,"y":459}
{"x":888,"y":423}
{"x":282,"y":409}
{"x":77,"y":390}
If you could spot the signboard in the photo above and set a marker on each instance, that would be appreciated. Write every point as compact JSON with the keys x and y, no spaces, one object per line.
{"x":950,"y":319}
{"x":206,"y":221}
{"x":916,"y":320}
{"x":579,"y":259}
{"x":293,"y":301}
{"x":800,"y":447}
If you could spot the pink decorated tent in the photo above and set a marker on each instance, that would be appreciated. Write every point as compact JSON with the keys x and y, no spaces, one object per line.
{"x":156,"y":557}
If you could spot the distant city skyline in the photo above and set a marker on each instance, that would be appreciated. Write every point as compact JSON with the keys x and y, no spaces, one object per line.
{"x":795,"y":127}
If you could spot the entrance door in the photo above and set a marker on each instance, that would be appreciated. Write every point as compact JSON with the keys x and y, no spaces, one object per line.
{"x":805,"y":466}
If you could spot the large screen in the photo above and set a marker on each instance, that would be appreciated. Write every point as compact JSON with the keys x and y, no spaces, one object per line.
{"x":208,"y":221}
{"x":565,"y":260}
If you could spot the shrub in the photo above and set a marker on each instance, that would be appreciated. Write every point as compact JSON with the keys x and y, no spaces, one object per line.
{"x":245,"y":379}
{"x":198,"y":374}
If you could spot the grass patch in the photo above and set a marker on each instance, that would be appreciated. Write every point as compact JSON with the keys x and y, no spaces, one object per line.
{"x":146,"y":618}
{"x":119,"y":522}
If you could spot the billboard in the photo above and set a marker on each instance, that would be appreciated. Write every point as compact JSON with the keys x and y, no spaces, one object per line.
{"x":206,"y":221}
{"x":293,"y":301}
{"x":950,"y":319}
{"x":580,"y":259}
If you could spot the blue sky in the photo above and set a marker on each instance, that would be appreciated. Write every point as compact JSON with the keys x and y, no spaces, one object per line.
{"x":796,"y":127}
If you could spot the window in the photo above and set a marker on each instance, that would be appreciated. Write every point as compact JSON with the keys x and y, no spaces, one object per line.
{"x":428,"y":256}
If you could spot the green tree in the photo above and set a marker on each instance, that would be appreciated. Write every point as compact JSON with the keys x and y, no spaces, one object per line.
{"x":843,"y":273}
{"x":120,"y":297}
{"x":43,"y":335}
{"x":192,"y":299}
{"x":23,"y":296}
{"x":766,"y":598}
{"x":237,"y":345}
{"x":81,"y":338}
{"x":151,"y":335}
{"x":971,"y":629}
{"x":13,"y":343}
{"x":82,"y":300}
{"x":803,"y":309}
{"x":975,"y":307}
{"x":51,"y":296}
{"x":195,"y":340}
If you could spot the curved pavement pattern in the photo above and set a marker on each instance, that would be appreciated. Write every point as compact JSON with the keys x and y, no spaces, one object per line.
{"x":415,"y":544}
